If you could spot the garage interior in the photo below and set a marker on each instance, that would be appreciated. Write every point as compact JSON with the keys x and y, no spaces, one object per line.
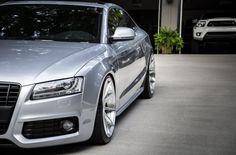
{"x":145,"y":13}
{"x":192,"y":10}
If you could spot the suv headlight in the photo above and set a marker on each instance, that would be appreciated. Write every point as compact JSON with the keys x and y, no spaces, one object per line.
{"x":57,"y":88}
{"x":201,"y":24}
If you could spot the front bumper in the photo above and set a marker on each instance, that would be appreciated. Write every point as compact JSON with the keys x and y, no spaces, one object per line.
{"x":27,"y":110}
{"x":214,"y":35}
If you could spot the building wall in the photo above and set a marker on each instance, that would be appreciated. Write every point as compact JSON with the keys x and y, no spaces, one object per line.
{"x":170,"y":14}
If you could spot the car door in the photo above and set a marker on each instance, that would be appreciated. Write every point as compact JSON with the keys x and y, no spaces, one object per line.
{"x":130,"y":56}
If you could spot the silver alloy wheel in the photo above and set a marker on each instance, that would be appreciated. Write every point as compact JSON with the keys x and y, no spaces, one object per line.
{"x":152,"y":74}
{"x":109,"y":107}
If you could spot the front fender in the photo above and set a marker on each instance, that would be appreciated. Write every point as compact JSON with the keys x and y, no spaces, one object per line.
{"x":94,"y":74}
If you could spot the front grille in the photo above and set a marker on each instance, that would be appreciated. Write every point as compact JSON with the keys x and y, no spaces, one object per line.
{"x":48,"y":128}
{"x":220,"y":36}
{"x":221,"y":33}
{"x":8,"y":97}
{"x":9,"y":94}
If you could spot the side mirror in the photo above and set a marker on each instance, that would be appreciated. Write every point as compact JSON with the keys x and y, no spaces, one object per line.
{"x":123,"y":34}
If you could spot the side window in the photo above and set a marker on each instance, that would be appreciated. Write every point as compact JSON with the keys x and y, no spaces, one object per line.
{"x":129,"y":21}
{"x":114,"y":19}
{"x":118,"y":18}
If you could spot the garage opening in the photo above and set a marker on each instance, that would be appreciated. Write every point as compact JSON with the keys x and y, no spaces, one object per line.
{"x":207,"y":9}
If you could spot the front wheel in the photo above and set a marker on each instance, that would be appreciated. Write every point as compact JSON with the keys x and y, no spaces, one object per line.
{"x":106,"y":114}
{"x":150,"y":80}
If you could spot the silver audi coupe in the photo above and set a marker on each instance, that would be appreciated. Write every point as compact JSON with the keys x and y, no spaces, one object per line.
{"x":67,"y":69}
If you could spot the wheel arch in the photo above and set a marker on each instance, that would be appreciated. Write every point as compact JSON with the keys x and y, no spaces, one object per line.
{"x":95,"y":73}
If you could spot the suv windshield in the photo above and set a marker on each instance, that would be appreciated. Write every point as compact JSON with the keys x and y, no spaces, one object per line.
{"x":50,"y":22}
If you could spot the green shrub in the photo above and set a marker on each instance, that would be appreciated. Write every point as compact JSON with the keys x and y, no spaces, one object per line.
{"x":168,"y":39}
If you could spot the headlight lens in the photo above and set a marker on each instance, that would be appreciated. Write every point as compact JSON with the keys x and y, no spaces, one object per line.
{"x":57,"y":88}
{"x":201,"y":24}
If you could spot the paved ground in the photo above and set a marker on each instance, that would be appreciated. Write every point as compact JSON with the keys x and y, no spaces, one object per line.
{"x":192,"y":113}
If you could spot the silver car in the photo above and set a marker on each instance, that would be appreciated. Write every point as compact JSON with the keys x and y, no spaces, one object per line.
{"x":67,"y":69}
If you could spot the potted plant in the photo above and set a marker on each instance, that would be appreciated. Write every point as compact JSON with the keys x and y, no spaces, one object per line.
{"x":167,"y":40}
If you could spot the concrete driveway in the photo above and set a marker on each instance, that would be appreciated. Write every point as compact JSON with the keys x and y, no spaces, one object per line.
{"x":192,"y":113}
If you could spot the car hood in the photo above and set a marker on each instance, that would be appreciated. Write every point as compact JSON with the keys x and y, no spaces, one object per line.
{"x":28,"y":62}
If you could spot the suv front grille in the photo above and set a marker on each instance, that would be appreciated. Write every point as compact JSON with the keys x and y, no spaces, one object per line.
{"x":220,"y":36}
{"x":8,"y":97}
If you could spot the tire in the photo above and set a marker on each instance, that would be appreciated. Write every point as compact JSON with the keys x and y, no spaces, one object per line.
{"x":149,"y":82}
{"x":106,"y":114}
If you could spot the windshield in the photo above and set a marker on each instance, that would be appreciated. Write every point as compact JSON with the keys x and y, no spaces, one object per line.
{"x":50,"y":22}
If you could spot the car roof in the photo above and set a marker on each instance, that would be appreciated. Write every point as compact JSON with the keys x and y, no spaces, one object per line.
{"x":61,"y":2}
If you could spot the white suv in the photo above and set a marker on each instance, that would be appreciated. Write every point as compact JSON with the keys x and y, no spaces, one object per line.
{"x":215,"y":29}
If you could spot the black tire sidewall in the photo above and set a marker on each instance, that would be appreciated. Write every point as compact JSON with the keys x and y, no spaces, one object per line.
{"x":99,"y":135}
{"x":147,"y":90}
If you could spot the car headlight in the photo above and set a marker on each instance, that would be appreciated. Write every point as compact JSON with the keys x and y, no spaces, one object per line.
{"x":57,"y":88}
{"x":201,"y":24}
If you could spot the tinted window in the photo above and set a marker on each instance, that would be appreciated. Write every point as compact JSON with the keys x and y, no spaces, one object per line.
{"x":50,"y":22}
{"x":118,"y":18}
{"x":222,"y":23}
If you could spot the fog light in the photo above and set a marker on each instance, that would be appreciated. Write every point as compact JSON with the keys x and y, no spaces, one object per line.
{"x":198,"y":34}
{"x":67,"y":125}
{"x":50,"y":127}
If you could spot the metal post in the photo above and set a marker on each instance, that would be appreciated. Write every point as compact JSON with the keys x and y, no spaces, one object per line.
{"x":181,"y":20}
{"x":159,"y":3}
{"x":159,"y":16}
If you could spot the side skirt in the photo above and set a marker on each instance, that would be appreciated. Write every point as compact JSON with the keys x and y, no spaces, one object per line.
{"x":130,"y":101}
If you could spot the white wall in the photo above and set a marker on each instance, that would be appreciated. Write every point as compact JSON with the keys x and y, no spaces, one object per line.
{"x":170,"y":14}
